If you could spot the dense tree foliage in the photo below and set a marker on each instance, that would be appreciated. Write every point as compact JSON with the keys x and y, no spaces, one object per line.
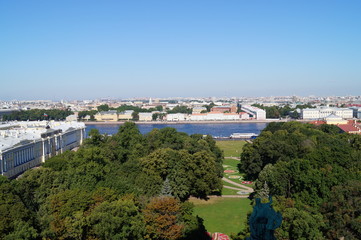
{"x":83,"y":114}
{"x":125,"y":186}
{"x":38,"y":114}
{"x":314,"y":174}
{"x":180,"y":109}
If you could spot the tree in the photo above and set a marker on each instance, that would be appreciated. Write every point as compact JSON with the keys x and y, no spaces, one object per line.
{"x":120,"y":219}
{"x":103,"y":107}
{"x":162,"y":219}
{"x":12,"y":210}
{"x":135,"y":116}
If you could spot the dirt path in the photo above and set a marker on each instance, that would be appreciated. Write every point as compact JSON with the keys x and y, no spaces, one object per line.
{"x":248,"y":189}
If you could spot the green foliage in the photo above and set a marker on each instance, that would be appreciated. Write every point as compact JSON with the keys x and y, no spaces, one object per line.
{"x":83,"y":114}
{"x":12,"y":211}
{"x":120,"y":219}
{"x":180,"y":109}
{"x":314,"y":174}
{"x":103,"y":108}
{"x":135,"y":116}
{"x":102,"y":190}
{"x":38,"y":114}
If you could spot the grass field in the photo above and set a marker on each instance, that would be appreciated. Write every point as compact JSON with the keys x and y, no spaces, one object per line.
{"x":226,"y":215}
{"x":226,"y":191}
{"x":231,"y":148}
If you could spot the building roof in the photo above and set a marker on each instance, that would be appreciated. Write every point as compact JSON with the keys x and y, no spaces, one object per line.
{"x":15,"y":133}
{"x":349,"y":128}
{"x":317,"y":123}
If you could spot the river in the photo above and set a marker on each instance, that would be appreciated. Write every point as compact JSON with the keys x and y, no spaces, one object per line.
{"x":214,"y":129}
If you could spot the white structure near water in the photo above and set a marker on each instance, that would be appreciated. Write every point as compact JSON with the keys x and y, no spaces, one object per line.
{"x":323,"y":112}
{"x":255,"y":112}
{"x":24,"y":145}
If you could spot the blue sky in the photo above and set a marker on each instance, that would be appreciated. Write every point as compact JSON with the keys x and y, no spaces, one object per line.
{"x":90,"y":49}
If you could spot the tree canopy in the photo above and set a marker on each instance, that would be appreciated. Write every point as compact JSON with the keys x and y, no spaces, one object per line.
{"x":314,"y":174}
{"x":125,"y":186}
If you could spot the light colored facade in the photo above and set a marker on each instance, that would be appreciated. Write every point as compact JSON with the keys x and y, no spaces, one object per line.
{"x":244,"y":116}
{"x":24,"y":145}
{"x":145,"y":116}
{"x":335,"y":120}
{"x":257,"y":113}
{"x":356,"y":112}
{"x":174,"y":117}
{"x":214,"y":116}
{"x":198,"y":109}
{"x":111,"y":116}
{"x":126,"y":115}
{"x":323,"y":112}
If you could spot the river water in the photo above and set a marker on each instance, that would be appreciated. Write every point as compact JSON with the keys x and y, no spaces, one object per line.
{"x":214,"y":129}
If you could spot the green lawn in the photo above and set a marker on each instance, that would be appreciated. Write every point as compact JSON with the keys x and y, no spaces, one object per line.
{"x":227,"y":191}
{"x":226,"y":215}
{"x":231,"y":148}
{"x":231,"y":162}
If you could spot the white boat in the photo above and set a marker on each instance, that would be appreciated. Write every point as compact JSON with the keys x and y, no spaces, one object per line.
{"x":243,"y":135}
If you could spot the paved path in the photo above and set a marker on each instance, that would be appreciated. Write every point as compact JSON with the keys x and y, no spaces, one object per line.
{"x":248,"y":189}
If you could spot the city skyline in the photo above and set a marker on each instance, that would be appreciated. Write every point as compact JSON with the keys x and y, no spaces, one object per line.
{"x":89,"y":49}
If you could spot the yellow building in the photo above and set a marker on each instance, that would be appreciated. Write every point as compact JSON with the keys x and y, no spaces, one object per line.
{"x":126,"y":115}
{"x":111,"y":116}
{"x":335,"y":120}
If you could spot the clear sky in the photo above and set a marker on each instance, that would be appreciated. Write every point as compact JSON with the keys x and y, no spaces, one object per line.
{"x":73,"y":49}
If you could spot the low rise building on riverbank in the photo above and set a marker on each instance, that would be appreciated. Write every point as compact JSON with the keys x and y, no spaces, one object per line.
{"x":24,"y":145}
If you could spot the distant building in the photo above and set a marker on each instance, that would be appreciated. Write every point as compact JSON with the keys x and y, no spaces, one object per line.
{"x":145,"y":116}
{"x":356,"y":112}
{"x":175,"y":117}
{"x":322,"y":112}
{"x":24,"y":145}
{"x":198,"y":109}
{"x":111,"y":116}
{"x":214,"y":116}
{"x":126,"y":115}
{"x":71,"y":118}
{"x":244,"y":116}
{"x":335,"y":120}
{"x":227,"y":108}
{"x":254,"y":112}
{"x":351,"y":127}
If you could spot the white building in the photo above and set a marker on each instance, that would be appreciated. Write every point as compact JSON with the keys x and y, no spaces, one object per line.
{"x":126,"y":115}
{"x":257,"y":113}
{"x":244,"y":116}
{"x":214,"y":116}
{"x":174,"y":117}
{"x":145,"y":116}
{"x":322,"y":112}
{"x":24,"y":145}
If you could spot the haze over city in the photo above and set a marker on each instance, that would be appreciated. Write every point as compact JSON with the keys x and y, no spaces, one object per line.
{"x":121,"y":49}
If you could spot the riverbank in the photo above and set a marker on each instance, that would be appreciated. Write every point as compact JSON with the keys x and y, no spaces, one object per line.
{"x":187,"y":122}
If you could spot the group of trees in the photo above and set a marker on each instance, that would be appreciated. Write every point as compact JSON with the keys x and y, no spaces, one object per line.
{"x":313,"y":172}
{"x":38,"y":114}
{"x":125,"y":186}
{"x":283,"y":111}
